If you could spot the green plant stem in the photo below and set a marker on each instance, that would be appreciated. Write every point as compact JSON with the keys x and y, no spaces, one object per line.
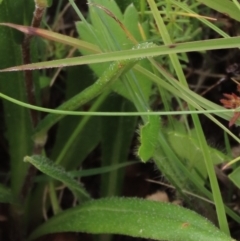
{"x":93,"y":113}
{"x":53,"y":197}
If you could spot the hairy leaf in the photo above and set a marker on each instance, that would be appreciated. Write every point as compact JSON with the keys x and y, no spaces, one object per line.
{"x":134,"y":217}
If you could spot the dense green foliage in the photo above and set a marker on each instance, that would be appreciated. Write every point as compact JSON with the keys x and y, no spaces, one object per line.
{"x":106,"y":113}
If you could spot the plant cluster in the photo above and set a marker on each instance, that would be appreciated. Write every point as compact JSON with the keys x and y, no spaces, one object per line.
{"x":56,"y":122}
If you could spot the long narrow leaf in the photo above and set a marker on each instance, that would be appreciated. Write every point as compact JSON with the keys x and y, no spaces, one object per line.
{"x":55,"y":37}
{"x":136,"y":53}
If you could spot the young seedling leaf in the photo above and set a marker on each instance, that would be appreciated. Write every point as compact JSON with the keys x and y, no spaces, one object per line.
{"x":133,"y":217}
{"x":149,"y":138}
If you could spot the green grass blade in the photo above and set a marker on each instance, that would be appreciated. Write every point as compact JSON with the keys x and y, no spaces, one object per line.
{"x":217,"y":197}
{"x":101,"y":170}
{"x":136,"y":53}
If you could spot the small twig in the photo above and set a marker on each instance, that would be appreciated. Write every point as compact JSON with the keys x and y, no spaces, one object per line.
{"x":26,"y":53}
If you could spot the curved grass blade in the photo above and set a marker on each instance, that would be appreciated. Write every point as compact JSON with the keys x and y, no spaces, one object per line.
{"x":101,"y":170}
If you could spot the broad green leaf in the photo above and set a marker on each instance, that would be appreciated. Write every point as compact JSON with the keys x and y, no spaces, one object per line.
{"x":149,"y":138}
{"x":192,"y":156}
{"x":57,"y":172}
{"x":133,"y":217}
{"x":131,"y":21}
{"x":106,"y":39}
